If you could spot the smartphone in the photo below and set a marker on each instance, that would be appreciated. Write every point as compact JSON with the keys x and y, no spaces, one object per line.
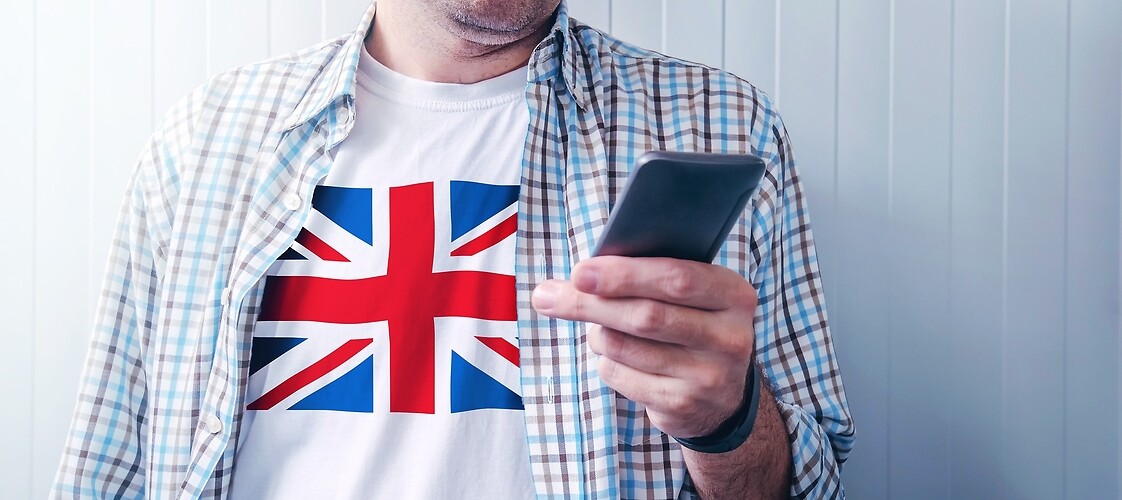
{"x":680,"y":205}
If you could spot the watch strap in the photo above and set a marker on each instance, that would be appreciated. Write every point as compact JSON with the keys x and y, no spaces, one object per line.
{"x":735,"y":430}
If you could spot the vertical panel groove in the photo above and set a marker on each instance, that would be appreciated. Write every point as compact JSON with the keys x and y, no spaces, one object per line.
{"x":950,"y":202}
{"x":1005,"y":219}
{"x":1067,"y":237}
{"x":724,"y":24}
{"x":34,"y":190}
{"x":837,"y":88}
{"x":207,"y":49}
{"x":268,"y":28}
{"x":665,"y":26}
{"x":89,"y":154}
{"x":152,"y":115}
{"x":891,"y":104}
{"x":778,"y":66}
{"x":1091,"y":220}
{"x":890,"y":216}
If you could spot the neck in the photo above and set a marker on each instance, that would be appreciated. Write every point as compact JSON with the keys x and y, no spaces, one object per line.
{"x":412,"y":40}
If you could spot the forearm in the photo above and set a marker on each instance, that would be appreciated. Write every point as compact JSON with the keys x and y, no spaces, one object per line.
{"x":759,"y":468}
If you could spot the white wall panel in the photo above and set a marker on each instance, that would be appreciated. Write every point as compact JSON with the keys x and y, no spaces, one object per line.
{"x":977,"y":186}
{"x":807,"y":99}
{"x":121,"y":106}
{"x":120,"y":117}
{"x":341,"y":16}
{"x":1092,"y":222}
{"x":639,"y":22}
{"x":962,"y":163}
{"x":806,"y":96}
{"x":179,"y":51}
{"x":595,"y":13}
{"x":918,"y":306}
{"x":62,"y":225}
{"x":237,"y":33}
{"x":695,"y":30}
{"x":1035,"y":334}
{"x":860,"y":250}
{"x":17,"y":289}
{"x":750,"y":41}
{"x":293,"y":25}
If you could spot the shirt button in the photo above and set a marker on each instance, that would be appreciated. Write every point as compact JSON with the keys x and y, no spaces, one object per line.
{"x":212,"y":424}
{"x":225,"y":300}
{"x":292,"y":201}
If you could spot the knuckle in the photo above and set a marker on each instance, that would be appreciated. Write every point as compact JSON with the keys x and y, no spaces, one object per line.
{"x":710,"y":379}
{"x":650,"y":317}
{"x":736,"y":346}
{"x":615,"y":278}
{"x":746,"y":348}
{"x":742,"y":346}
{"x":678,"y":404}
{"x":734,"y":339}
{"x":678,"y":283}
{"x":748,"y":297}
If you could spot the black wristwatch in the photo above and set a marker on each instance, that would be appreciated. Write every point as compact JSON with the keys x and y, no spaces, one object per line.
{"x":734,"y":431}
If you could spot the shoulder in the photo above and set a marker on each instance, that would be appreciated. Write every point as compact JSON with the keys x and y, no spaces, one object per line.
{"x":244,"y":103}
{"x":634,"y":67}
{"x":214,"y":133}
{"x":675,"y":95}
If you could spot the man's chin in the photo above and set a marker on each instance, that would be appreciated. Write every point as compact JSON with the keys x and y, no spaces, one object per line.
{"x":491,"y":32}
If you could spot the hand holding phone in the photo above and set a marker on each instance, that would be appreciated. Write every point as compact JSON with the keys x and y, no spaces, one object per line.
{"x":663,"y":342}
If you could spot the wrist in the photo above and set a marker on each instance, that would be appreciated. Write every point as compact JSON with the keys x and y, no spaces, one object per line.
{"x":736,"y":429}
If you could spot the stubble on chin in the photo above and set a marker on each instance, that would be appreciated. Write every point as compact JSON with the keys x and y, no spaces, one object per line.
{"x":491,"y":22}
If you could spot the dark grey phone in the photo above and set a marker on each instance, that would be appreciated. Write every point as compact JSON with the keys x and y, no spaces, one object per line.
{"x":680,"y":205}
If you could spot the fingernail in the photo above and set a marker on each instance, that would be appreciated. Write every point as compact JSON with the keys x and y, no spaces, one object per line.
{"x":587,"y":279}
{"x":545,"y":296}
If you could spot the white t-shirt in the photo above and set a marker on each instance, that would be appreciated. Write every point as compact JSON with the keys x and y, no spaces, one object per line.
{"x":385,"y":358}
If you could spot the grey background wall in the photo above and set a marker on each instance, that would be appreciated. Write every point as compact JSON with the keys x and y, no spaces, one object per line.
{"x":962,"y":160}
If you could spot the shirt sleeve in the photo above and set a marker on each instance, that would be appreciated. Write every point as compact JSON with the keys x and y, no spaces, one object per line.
{"x":793,"y":342}
{"x":105,"y":451}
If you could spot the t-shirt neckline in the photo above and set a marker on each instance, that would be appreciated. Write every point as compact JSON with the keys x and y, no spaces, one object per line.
{"x":387,"y":83}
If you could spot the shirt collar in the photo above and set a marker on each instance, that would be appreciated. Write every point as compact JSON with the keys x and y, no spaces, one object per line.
{"x":560,"y":55}
{"x":555,"y":57}
{"x":335,"y":79}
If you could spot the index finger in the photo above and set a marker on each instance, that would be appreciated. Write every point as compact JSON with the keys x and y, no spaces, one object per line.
{"x":674,"y":281}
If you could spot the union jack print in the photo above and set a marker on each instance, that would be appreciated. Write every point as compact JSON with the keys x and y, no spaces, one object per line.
{"x":435,"y":325}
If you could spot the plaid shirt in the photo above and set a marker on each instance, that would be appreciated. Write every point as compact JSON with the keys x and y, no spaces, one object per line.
{"x":224,"y":186}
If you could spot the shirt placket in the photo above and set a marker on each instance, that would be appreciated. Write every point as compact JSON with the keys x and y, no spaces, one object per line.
{"x":276,"y":215}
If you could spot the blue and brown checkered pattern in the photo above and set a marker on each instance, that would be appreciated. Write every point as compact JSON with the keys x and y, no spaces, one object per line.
{"x":223,"y":188}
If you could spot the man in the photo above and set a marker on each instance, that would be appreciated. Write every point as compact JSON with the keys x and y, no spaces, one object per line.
{"x":316,"y":289}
